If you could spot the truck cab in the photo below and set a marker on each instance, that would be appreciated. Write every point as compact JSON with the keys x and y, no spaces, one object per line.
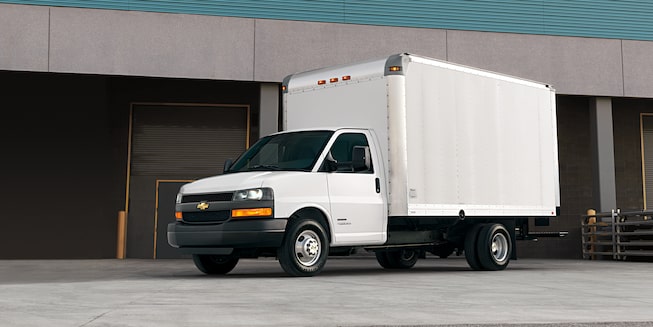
{"x":327,"y":185}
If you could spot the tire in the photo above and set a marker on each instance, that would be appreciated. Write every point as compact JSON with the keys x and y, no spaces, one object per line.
{"x":215,"y":264}
{"x":398,"y":259}
{"x":494,"y":247}
{"x":382,"y":258}
{"x":305,"y":248}
{"x":471,"y":252}
{"x":404,"y":258}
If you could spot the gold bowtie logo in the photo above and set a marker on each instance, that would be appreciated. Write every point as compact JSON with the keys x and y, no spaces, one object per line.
{"x":202,"y":206}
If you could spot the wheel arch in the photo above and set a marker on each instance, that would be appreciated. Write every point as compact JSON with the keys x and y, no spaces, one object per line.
{"x":316,"y":214}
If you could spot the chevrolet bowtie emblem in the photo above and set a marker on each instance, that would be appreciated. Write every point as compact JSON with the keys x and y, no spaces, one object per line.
{"x":203,"y":206}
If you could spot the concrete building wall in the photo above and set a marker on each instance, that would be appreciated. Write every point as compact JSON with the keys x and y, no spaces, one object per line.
{"x":90,"y":46}
{"x":111,"y":42}
{"x":286,"y":47}
{"x":571,"y":65}
{"x":638,"y":68}
{"x":24,"y":37}
{"x":597,"y":18}
{"x":150,"y":44}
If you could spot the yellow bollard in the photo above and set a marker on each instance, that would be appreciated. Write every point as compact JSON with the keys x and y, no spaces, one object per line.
{"x":591,"y":223}
{"x":122,"y":231}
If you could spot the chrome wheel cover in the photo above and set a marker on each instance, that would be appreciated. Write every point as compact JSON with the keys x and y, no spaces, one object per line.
{"x":307,"y":248}
{"x":499,"y":248}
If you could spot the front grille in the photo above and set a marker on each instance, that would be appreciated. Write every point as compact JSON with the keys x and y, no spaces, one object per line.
{"x":214,"y":197}
{"x":206,"y":216}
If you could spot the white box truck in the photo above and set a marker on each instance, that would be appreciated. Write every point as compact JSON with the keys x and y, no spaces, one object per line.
{"x":400,"y":155}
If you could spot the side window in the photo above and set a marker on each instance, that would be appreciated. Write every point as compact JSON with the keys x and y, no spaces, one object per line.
{"x":341,"y":154}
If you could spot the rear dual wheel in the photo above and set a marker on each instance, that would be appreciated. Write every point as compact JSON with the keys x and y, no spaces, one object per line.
{"x":471,"y":243}
{"x":488,"y":247}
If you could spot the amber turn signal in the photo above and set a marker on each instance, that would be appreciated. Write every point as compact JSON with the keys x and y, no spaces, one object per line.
{"x":253,"y":212}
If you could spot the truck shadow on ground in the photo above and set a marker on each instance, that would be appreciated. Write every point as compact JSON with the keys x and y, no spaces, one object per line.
{"x":76,"y":271}
{"x":252,"y":269}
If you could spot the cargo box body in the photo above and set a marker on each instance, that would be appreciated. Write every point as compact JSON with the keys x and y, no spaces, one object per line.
{"x":454,"y":140}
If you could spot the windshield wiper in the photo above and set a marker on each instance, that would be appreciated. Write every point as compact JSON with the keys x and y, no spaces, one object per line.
{"x":264,"y":167}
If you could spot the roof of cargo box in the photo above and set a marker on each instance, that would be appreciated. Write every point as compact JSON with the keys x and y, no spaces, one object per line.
{"x":358,"y":70}
{"x":391,"y":65}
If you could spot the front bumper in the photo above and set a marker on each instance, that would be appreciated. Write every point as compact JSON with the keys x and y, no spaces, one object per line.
{"x":233,"y":234}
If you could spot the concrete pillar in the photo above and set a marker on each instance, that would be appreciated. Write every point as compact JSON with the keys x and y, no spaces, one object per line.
{"x":605,"y":194}
{"x":269,"y":117}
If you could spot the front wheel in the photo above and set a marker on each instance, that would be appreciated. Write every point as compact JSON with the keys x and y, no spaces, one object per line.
{"x":305,"y":248}
{"x":215,"y":264}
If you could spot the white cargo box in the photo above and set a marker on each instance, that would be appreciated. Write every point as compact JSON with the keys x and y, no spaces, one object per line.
{"x":454,"y":139}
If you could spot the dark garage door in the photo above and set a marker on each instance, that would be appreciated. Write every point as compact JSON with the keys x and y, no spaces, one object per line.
{"x":175,"y":142}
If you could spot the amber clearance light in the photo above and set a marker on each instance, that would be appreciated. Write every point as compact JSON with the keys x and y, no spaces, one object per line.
{"x":252,"y":212}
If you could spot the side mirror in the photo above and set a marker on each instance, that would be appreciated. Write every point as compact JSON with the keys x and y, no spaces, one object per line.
{"x":227,"y":164}
{"x":360,"y":158}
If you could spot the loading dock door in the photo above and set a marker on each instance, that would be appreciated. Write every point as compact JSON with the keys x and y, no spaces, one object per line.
{"x":175,"y":142}
{"x":647,"y":159}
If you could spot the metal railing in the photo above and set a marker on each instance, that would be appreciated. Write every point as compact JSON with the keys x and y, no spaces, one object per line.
{"x":617,"y":234}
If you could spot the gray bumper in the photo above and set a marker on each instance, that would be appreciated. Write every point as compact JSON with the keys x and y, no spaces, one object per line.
{"x":233,"y":234}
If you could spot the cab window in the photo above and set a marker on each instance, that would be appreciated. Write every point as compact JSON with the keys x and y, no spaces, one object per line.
{"x":339,"y":157}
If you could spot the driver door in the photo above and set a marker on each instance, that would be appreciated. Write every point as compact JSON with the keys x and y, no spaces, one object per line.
{"x":357,"y":207}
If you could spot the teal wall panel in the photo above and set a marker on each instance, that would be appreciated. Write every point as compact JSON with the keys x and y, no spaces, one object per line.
{"x":309,"y":10}
{"x":624,"y":19}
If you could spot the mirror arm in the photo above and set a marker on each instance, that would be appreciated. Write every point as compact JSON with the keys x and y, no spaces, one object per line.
{"x":227,"y":164}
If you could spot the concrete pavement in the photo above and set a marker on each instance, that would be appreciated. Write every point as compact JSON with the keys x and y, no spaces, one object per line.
{"x":352,"y":291}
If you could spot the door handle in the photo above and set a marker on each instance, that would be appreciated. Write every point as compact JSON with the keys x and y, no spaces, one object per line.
{"x":378,"y":185}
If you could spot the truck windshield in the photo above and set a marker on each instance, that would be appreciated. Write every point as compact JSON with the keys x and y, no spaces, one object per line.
{"x":296,"y":151}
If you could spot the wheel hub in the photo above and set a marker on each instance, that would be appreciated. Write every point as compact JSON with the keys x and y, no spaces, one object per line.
{"x":499,"y":248}
{"x":311,"y":247}
{"x":307,"y":248}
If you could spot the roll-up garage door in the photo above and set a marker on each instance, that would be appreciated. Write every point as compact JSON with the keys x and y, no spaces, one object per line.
{"x":173,"y":143}
{"x":188,"y":141}
{"x":647,"y":159}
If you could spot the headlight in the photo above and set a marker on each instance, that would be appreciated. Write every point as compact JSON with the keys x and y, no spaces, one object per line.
{"x":179,"y":196}
{"x":254,"y":194}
